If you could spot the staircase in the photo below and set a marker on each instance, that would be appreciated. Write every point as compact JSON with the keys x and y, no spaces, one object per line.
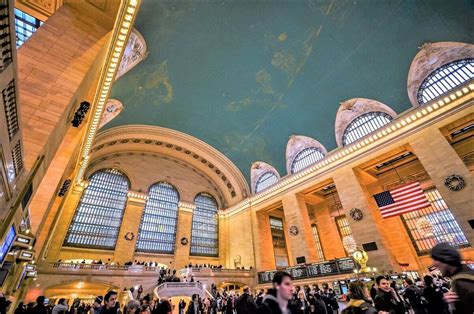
{"x":178,"y":289}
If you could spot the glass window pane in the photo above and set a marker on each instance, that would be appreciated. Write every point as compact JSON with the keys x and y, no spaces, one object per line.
{"x":98,"y":217}
{"x":157,"y":232}
{"x":25,"y":26}
{"x":364,"y":125}
{"x":279,"y":243}
{"x":317,"y":242}
{"x":306,"y":158}
{"x":205,"y":227}
{"x":433,"y":225}
{"x":344,"y":229}
{"x":266,"y":180}
{"x":444,"y":79}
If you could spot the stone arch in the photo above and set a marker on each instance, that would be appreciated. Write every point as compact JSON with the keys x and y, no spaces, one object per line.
{"x":352,"y":109}
{"x":430,"y":57}
{"x":179,"y":146}
{"x":298,"y":143}
{"x":258,"y":169}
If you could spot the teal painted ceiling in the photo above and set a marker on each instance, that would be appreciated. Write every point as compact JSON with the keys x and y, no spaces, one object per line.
{"x":245,"y":75}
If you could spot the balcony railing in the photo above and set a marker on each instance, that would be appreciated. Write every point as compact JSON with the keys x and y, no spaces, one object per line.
{"x":132,"y":268}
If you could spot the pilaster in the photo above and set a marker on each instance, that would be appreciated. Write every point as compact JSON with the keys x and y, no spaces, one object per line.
{"x":353,"y":195}
{"x":300,"y":241}
{"x":185,"y":220}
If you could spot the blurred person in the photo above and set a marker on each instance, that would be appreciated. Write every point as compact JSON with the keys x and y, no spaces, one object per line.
{"x":460,"y":298}
{"x":111,"y":305}
{"x":245,"y":303}
{"x":20,"y":308}
{"x":132,"y":307}
{"x":302,"y":305}
{"x":277,"y":299}
{"x":434,"y":297}
{"x":359,"y":300}
{"x":61,"y":307}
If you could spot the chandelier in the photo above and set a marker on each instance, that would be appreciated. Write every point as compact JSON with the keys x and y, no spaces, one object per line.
{"x":349,"y":244}
{"x":424,"y":227}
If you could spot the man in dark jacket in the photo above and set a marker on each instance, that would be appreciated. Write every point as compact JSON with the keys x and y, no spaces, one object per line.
{"x":447,"y":259}
{"x":414,"y":296}
{"x":386,"y":299}
{"x":246,"y":304}
{"x":111,"y":305}
{"x":277,"y":299}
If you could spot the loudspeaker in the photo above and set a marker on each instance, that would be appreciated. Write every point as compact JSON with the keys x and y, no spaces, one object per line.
{"x":301,"y":260}
{"x":370,"y":246}
{"x":471,"y":223}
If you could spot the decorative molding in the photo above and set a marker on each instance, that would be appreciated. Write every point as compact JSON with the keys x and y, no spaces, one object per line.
{"x":112,"y":109}
{"x":296,"y":144}
{"x":258,"y":169}
{"x":454,"y":182}
{"x":188,"y":147}
{"x":40,"y":8}
{"x":186,"y":207}
{"x":95,"y":165}
{"x":356,"y":214}
{"x":352,"y":109}
{"x":430,"y":57}
{"x":135,"y":52}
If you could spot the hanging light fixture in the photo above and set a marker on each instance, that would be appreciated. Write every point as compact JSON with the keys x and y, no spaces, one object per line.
{"x":349,"y":244}
{"x":424,"y":227}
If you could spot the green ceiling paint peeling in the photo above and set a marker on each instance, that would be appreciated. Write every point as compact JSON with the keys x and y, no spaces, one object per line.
{"x":244,"y":76}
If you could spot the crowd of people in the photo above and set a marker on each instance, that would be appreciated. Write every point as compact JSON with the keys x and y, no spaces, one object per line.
{"x":451,"y":294}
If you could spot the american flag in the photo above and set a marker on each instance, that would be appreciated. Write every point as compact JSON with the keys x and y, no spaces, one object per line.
{"x":404,"y":199}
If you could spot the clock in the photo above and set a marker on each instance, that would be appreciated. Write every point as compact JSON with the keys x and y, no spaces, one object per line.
{"x":294,"y":231}
{"x":356,"y":214}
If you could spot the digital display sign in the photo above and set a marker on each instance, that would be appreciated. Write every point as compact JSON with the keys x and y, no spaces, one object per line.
{"x":7,"y":243}
{"x":329,"y":268}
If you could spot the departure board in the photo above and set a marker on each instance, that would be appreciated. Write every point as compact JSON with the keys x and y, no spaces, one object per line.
{"x":328,"y":268}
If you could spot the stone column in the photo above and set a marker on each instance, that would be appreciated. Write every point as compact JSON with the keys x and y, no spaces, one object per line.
{"x":61,"y":225}
{"x":328,"y":234}
{"x":440,"y":160}
{"x":297,"y":219}
{"x":262,"y":238}
{"x":132,"y":217}
{"x":353,"y":195}
{"x":185,"y":221}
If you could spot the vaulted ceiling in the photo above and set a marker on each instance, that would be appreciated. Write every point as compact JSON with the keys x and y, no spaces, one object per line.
{"x":245,"y":75}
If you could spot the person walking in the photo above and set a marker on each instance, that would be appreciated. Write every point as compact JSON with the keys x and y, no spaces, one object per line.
{"x":61,"y":307}
{"x":434,"y":297}
{"x":277,"y":299}
{"x":460,"y":298}
{"x":245,"y":303}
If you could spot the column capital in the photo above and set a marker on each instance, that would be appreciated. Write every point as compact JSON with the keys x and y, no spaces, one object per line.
{"x":137,"y":197}
{"x":186,"y":207}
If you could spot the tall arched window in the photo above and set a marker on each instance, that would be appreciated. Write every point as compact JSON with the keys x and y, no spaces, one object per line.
{"x":306,"y":158}
{"x":157,"y":232}
{"x":444,"y":79}
{"x":205,"y":233}
{"x":364,"y":125}
{"x":266,"y":180}
{"x":98,"y":217}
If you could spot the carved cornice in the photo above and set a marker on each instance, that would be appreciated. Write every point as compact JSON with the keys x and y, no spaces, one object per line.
{"x":185,"y":146}
{"x":186,"y":207}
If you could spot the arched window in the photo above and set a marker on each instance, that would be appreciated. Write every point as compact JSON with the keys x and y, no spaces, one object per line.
{"x":266,"y":180}
{"x":157,"y":232}
{"x":306,"y":158}
{"x":444,"y":79}
{"x":205,"y":233}
{"x":364,"y":125}
{"x":98,"y":217}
